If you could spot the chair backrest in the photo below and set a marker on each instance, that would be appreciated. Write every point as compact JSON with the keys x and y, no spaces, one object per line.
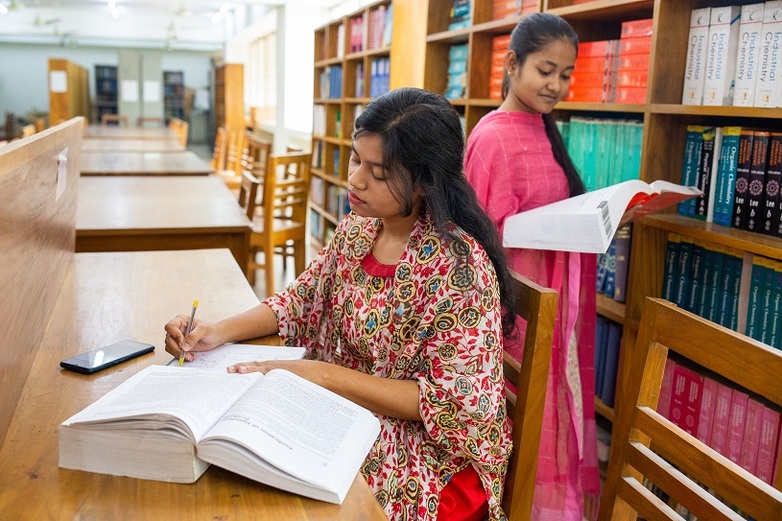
{"x":218,"y":153}
{"x":255,"y":154}
{"x":649,"y":449}
{"x":233,"y":151}
{"x":180,"y":127}
{"x":526,"y":392}
{"x":28,"y":130}
{"x":113,"y":119}
{"x":286,"y":188}
{"x":249,"y":188}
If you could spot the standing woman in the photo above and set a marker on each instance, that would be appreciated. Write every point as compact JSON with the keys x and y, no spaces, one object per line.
{"x":403,"y":312}
{"x":516,"y":161}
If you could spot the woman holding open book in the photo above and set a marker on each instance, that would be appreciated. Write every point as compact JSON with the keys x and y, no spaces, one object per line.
{"x":404,"y":313}
{"x":516,"y":160}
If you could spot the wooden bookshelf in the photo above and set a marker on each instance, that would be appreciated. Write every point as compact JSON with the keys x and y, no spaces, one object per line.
{"x":173,"y":95}
{"x":229,"y":96}
{"x":664,"y":120}
{"x":106,"y":90}
{"x":69,"y":93}
{"x":335,"y":111}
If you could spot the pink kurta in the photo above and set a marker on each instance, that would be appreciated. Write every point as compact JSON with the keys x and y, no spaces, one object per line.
{"x":510,"y":164}
{"x":437,"y":321}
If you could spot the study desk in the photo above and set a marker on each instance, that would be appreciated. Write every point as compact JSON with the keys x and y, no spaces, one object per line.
{"x":131,"y":145}
{"x":136,"y":213}
{"x":113,"y":132}
{"x":108,"y":297}
{"x":118,"y":163}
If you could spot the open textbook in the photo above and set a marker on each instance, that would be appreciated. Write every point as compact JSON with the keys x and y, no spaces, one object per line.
{"x":169,"y":423}
{"x":587,"y":222}
{"x":229,"y":354}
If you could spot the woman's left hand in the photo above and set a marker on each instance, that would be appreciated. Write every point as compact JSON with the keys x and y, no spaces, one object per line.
{"x":311,"y":370}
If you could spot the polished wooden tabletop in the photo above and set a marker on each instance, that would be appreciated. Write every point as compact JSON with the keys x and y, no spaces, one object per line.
{"x":126,"y":213}
{"x":115,"y":132}
{"x":126,"y":162}
{"x":108,"y":297}
{"x":131,"y":145}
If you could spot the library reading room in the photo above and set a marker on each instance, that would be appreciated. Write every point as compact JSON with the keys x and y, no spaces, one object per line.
{"x":391,"y":260}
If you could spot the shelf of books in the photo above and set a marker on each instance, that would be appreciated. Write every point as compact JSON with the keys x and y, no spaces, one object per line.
{"x":105,"y":90}
{"x":643,"y":104}
{"x":353,"y":57}
{"x":173,"y":95}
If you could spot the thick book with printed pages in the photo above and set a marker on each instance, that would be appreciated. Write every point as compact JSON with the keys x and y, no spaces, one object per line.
{"x":170,"y":423}
{"x":588,"y":222}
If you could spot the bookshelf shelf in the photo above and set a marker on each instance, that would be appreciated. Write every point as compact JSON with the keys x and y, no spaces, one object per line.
{"x":337,"y":105}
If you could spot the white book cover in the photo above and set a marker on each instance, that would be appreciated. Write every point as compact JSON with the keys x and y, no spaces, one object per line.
{"x":721,"y":68}
{"x":750,"y":24}
{"x":697,"y":57}
{"x":769,"y":66}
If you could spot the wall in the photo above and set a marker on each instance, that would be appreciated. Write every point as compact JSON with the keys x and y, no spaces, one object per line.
{"x":23,"y":71}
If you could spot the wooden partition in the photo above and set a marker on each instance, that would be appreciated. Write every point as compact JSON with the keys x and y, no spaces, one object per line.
{"x":39,"y":178}
{"x":69,"y":91}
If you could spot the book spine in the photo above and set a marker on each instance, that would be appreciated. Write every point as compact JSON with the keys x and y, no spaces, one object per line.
{"x":767,"y":445}
{"x":708,"y":399}
{"x":771,"y":184}
{"x":601,"y":336}
{"x":719,"y":427}
{"x":697,"y":57}
{"x":716,"y":256}
{"x":747,"y":54}
{"x":738,"y":415}
{"x":721,"y":68}
{"x":684,"y":262}
{"x":664,"y":401}
{"x":693,"y":148}
{"x":767,"y":291}
{"x":769,"y":57}
{"x":726,"y":177}
{"x":749,"y":446}
{"x":743,"y":166}
{"x":613,"y":341}
{"x":776,"y":307}
{"x":693,"y":301}
{"x":622,"y":241}
{"x":754,"y":305}
{"x":704,"y":172}
{"x":670,"y":275}
{"x":757,"y":173}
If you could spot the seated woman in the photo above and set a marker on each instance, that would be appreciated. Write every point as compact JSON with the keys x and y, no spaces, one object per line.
{"x":403,"y":312}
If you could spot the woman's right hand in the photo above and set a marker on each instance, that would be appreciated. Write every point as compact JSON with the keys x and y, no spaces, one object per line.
{"x":202,"y":337}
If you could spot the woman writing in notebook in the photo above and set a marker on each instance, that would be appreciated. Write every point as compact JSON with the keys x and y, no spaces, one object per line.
{"x":516,"y":161}
{"x":404,"y":313}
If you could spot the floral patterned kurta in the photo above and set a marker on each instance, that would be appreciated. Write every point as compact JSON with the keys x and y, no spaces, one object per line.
{"x":438,"y":322}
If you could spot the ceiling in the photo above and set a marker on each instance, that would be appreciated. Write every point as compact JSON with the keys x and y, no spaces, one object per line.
{"x":164,"y":24}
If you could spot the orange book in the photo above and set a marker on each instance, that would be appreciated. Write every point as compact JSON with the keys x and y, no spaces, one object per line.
{"x":630,"y":94}
{"x":632,"y":78}
{"x":635,"y":45}
{"x":635,"y":28}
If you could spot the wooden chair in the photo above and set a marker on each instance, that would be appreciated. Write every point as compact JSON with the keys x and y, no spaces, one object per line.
{"x":218,"y":152}
{"x":113,"y":119}
{"x":526,"y":393}
{"x":645,"y":445}
{"x":251,"y":157}
{"x":181,"y":128}
{"x":150,"y":122}
{"x":28,"y":130}
{"x":279,"y":226}
{"x":231,"y":171}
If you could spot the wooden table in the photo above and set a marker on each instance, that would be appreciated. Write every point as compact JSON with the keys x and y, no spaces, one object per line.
{"x":98,"y":131}
{"x":143,"y":163}
{"x":108,"y":297}
{"x":137,"y":213}
{"x":131,"y":145}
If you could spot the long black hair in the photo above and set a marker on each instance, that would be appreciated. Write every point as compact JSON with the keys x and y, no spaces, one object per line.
{"x":421,"y":134}
{"x":531,"y":34}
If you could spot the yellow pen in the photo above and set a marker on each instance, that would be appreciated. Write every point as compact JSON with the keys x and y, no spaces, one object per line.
{"x":189,"y":329}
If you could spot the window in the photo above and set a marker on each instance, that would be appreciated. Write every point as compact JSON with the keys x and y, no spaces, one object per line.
{"x":261,"y":81}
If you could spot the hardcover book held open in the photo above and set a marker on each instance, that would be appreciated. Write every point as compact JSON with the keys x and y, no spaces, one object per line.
{"x":169,"y":423}
{"x":587,"y":223}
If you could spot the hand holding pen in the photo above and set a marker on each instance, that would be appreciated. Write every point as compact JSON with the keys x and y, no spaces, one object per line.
{"x":187,"y":332}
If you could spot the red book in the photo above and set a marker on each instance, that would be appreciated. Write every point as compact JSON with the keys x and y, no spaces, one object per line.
{"x":719,"y":425}
{"x":633,"y":62}
{"x":664,"y":402}
{"x":768,"y":445}
{"x":708,"y":399}
{"x":738,"y":415}
{"x":597,"y":48}
{"x":630,"y":95}
{"x":637,"y":28}
{"x":636,"y":45}
{"x":632,"y":78}
{"x":749,"y":447}
{"x":686,"y":399}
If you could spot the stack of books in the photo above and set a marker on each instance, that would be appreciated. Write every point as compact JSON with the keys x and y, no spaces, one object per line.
{"x":632,"y":68}
{"x":499,"y":48}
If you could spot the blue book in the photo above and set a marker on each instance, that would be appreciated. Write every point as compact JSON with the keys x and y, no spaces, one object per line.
{"x":601,"y":326}
{"x":733,"y":265}
{"x":716,"y":256}
{"x":755,"y":304}
{"x":614,"y":339}
{"x":726,"y":175}
{"x":693,"y":302}
{"x":671,"y":264}
{"x":681,"y":292}
{"x":610,"y":282}
{"x":693,"y":147}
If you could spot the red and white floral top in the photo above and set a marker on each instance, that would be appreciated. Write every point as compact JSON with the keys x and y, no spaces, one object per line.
{"x":436,"y":321}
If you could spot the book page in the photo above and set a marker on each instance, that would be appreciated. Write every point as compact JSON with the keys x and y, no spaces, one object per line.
{"x":230,"y":354}
{"x":299,"y":427}
{"x":196,"y":397}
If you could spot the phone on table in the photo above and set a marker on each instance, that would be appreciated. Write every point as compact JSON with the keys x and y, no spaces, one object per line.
{"x":106,"y":356}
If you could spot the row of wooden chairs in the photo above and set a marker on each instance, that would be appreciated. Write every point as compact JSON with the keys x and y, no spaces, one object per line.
{"x":181,"y":129}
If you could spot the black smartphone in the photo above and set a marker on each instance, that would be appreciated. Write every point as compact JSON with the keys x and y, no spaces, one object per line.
{"x":106,"y":356}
